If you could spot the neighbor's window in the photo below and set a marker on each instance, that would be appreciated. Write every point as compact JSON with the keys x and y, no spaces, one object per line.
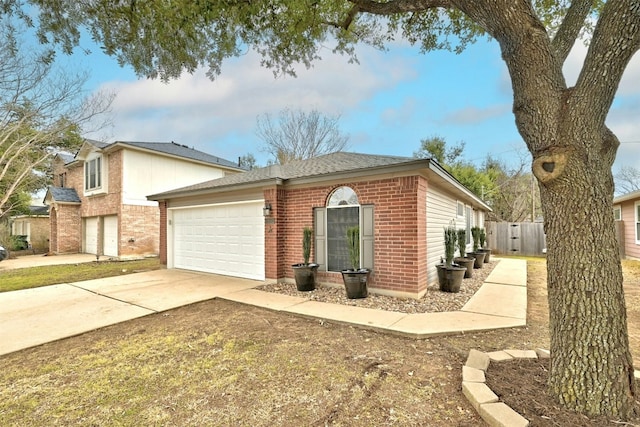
{"x":468,"y":226}
{"x":343,"y":211}
{"x":638,"y":222}
{"x":460,"y":209}
{"x":617,"y":213}
{"x":93,"y":174}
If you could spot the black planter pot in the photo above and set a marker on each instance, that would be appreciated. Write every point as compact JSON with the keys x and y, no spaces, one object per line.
{"x":479,"y":256}
{"x":305,"y":275}
{"x":466,"y":262}
{"x":487,"y":254}
{"x":450,"y":278}
{"x":355,"y":283}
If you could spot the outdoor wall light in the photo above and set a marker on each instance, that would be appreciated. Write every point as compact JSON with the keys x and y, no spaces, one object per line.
{"x":266,"y":211}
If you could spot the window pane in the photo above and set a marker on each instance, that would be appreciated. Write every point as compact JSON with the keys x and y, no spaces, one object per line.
{"x":98,"y":171}
{"x":92,"y":174}
{"x":338,"y":220}
{"x":343,"y":196}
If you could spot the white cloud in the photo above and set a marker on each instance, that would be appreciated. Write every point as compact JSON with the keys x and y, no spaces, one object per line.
{"x":194,"y":109}
{"x":475,"y":115}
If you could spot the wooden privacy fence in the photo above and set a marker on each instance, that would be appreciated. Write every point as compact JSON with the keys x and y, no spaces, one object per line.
{"x":528,"y":238}
{"x":516,"y":238}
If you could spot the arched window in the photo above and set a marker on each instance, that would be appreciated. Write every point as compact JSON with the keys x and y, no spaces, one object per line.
{"x":343,"y":211}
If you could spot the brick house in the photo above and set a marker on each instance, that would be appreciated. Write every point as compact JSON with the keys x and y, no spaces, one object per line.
{"x":98,"y":201}
{"x":626,"y":210}
{"x":250,"y":224}
{"x":34,"y":225}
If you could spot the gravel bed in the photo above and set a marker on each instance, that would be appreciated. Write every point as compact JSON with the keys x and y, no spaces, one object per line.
{"x":433,"y":301}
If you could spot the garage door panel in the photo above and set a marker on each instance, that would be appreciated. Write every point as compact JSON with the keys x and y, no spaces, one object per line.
{"x":110,"y":244}
{"x":91,"y":235}
{"x":222,"y":239}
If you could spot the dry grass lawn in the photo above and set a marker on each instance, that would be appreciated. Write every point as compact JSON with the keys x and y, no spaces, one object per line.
{"x":219,"y":363}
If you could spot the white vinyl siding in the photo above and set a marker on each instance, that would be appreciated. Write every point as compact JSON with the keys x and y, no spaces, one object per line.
{"x":442,"y":211}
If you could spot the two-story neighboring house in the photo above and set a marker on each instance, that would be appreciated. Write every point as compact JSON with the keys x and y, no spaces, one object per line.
{"x":98,"y":202}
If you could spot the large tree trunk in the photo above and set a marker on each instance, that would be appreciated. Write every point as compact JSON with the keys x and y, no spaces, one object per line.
{"x":591,"y":365}
{"x":573,"y":152}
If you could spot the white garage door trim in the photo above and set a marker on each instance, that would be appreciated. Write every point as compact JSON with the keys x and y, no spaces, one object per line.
{"x":225,"y":238}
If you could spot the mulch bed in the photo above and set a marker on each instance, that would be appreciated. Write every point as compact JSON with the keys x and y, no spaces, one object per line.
{"x":522,"y":385}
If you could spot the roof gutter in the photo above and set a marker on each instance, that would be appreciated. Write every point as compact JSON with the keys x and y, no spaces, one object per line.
{"x":221,"y":189}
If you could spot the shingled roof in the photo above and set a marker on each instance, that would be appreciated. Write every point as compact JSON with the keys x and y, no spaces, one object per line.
{"x":316,"y":167}
{"x":62,"y":195}
{"x":178,"y":150}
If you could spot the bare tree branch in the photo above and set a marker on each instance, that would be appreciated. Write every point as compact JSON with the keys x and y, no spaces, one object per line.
{"x":42,"y":111}
{"x":570,"y":28}
{"x":299,"y":135}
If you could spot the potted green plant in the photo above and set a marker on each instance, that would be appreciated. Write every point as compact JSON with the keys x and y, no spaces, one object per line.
{"x":464,"y":261}
{"x":450,"y":275}
{"x":487,"y":251}
{"x":477,"y":254}
{"x":305,"y":273}
{"x":356,"y":278}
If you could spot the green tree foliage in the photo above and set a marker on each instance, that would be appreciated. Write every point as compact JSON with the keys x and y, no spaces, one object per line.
{"x":507,"y":190}
{"x":480,"y":182}
{"x":248,"y":161}
{"x":435,"y":147}
{"x":563,"y":127}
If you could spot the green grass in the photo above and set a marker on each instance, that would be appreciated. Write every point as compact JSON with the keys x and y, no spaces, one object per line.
{"x":25,"y":278}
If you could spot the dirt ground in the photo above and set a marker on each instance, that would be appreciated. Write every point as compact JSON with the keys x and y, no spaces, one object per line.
{"x":219,"y":363}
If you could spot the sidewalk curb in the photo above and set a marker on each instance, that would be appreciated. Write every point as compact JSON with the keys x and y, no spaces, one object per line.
{"x":481,"y":397}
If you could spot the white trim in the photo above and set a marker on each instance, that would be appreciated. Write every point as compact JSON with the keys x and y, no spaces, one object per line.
{"x":636,"y":208}
{"x":617,"y":208}
{"x":239,"y":202}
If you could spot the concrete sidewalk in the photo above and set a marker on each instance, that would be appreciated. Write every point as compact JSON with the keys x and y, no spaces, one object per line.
{"x":36,"y":316}
{"x":43,"y":260}
{"x":501,"y":302}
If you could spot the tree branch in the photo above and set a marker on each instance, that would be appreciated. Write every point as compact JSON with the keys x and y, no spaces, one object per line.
{"x":399,"y":6}
{"x":570,"y":28}
{"x":615,"y":40}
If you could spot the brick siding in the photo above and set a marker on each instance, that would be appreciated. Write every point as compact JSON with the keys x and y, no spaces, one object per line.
{"x":400,"y":241}
{"x":138,"y":226}
{"x":400,"y":249}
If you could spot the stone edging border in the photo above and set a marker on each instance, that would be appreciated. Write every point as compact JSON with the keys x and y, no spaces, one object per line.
{"x":481,"y":397}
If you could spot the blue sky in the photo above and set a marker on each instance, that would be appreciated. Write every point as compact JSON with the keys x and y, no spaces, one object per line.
{"x":387,"y":103}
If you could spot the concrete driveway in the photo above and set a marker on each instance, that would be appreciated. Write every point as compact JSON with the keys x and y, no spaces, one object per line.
{"x":36,"y":316}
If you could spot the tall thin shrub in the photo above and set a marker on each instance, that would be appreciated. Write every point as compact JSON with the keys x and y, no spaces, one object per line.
{"x":307,"y":235}
{"x":450,"y":238}
{"x":353,"y":242}
{"x":462,"y":242}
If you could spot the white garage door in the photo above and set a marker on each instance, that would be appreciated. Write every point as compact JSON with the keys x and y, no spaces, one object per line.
{"x":223,"y":239}
{"x":91,"y":235}
{"x":110,"y":244}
